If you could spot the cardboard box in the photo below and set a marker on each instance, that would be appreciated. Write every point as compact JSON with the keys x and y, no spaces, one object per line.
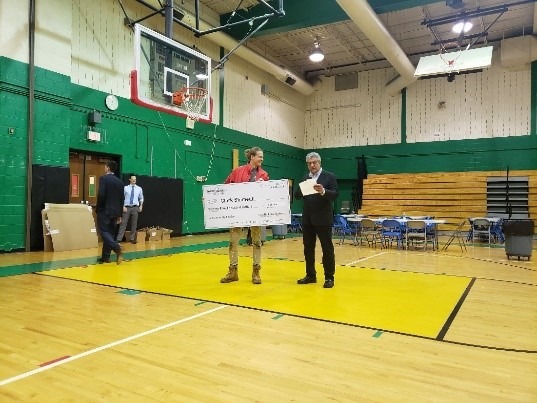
{"x":154,"y":234}
{"x":140,"y":236}
{"x":166,"y":234}
{"x":68,"y":227}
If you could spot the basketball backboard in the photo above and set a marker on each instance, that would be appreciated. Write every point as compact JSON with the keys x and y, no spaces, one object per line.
{"x":454,"y":62}
{"x":163,"y":67}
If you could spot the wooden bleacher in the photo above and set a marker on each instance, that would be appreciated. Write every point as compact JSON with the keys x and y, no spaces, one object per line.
{"x":450,"y":196}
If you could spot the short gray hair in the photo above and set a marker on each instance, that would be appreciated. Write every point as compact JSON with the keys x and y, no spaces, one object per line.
{"x":313,"y":155}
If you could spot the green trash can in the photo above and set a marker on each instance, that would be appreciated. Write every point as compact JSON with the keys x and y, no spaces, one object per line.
{"x":518,"y":238}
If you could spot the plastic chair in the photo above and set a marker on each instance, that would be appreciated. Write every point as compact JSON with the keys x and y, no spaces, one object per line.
{"x":369,"y":232}
{"x":416,"y":232}
{"x":497,"y":231}
{"x":481,"y":229}
{"x":296,"y":224}
{"x":392,"y":230}
{"x":355,"y":228}
{"x":341,"y":228}
{"x":432,"y":233}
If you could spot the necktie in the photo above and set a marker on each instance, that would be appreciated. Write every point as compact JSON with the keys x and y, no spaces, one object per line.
{"x":253,"y":174}
{"x":132,"y":196}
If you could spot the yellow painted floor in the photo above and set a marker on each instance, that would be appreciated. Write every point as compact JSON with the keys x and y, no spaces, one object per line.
{"x":403,"y":302}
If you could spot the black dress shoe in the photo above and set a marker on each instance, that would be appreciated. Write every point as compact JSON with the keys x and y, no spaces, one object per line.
{"x":329,"y":283}
{"x":307,"y":280}
{"x":132,"y":241}
{"x":101,"y":260}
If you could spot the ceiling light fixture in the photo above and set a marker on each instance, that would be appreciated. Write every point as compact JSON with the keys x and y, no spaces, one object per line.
{"x":201,"y":76}
{"x":462,"y":27}
{"x":317,"y":55}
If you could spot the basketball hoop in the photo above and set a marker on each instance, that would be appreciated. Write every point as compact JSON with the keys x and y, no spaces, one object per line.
{"x":451,"y":64}
{"x":191,"y":99}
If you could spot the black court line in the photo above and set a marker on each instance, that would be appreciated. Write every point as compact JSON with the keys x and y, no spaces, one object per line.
{"x":441,"y":274}
{"x":454,"y":312}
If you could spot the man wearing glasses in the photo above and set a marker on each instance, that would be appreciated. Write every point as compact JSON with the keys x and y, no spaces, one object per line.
{"x":317,"y":220}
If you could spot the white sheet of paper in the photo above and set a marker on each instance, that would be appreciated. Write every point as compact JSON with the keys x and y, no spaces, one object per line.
{"x":306,"y":187}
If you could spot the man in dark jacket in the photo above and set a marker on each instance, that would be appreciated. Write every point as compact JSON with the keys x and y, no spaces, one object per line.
{"x":109,"y":211}
{"x":317,"y":220}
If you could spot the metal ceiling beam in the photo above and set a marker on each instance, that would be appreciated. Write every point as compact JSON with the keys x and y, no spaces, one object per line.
{"x":454,"y":40}
{"x":464,"y":15}
{"x":478,"y":12}
{"x":176,"y":15}
{"x":302,"y":14}
{"x":199,"y":32}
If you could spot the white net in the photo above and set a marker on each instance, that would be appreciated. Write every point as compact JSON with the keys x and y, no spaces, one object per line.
{"x":192,"y":100}
{"x":450,"y":61}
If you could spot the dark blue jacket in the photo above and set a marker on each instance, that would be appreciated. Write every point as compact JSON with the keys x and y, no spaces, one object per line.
{"x":110,"y":196}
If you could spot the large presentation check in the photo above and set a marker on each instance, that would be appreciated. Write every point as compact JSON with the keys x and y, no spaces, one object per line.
{"x":246,"y":204}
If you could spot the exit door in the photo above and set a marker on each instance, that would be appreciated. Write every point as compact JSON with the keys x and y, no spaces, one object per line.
{"x":85,"y":169}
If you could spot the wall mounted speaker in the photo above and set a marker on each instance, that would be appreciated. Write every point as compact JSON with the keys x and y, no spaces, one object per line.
{"x":94,"y":117}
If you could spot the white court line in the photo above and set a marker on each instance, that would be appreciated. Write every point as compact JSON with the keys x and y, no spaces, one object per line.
{"x":115,"y":343}
{"x":365,"y":258}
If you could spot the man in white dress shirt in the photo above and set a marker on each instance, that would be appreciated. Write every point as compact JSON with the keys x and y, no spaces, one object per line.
{"x":132,"y":205}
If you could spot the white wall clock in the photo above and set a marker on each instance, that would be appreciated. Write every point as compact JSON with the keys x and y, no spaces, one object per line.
{"x":111,"y":102}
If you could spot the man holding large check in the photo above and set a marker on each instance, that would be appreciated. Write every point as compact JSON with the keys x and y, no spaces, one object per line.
{"x":250,"y":172}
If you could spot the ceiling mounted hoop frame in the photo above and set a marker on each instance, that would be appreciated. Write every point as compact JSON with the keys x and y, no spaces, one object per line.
{"x":467,"y":16}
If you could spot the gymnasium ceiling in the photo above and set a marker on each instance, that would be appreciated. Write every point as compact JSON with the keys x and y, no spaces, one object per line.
{"x":288,"y":40}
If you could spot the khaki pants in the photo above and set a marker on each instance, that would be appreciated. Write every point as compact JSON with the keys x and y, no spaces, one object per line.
{"x":234,"y":238}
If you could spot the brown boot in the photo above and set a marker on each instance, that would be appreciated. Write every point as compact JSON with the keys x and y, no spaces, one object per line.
{"x":232,"y":275}
{"x":256,"y":279}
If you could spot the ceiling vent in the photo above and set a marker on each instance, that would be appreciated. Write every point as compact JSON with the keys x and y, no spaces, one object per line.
{"x":346,"y":81}
{"x":290,"y":80}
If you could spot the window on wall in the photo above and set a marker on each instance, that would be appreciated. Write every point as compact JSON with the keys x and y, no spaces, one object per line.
{"x":508,"y":196}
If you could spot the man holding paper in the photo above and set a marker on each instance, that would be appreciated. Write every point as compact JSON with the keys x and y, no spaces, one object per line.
{"x":319,"y":190}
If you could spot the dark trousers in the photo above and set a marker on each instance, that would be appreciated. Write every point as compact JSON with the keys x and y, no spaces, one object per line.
{"x":107,"y":229}
{"x":309,"y":238}
{"x":132,"y":213}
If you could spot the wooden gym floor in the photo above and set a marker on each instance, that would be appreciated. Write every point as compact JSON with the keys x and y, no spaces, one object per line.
{"x":398,"y":325}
